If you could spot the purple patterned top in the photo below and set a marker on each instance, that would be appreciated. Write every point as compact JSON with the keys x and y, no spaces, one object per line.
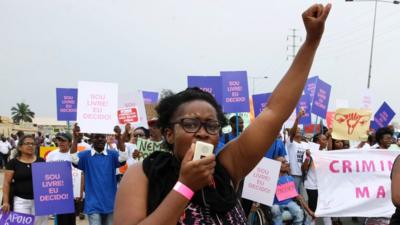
{"x":197,"y":215}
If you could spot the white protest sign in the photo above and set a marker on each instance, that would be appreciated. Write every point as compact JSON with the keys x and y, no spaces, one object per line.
{"x":76,"y":182}
{"x":354,"y":183}
{"x":133,"y":102}
{"x":260,"y":184}
{"x":366,"y":100}
{"x":97,"y":107}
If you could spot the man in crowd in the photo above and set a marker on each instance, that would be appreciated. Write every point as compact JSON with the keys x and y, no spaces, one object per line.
{"x":296,"y":149}
{"x":99,"y":165}
{"x":5,"y":148}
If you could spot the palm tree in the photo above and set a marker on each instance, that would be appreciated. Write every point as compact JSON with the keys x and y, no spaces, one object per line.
{"x":22,"y":113}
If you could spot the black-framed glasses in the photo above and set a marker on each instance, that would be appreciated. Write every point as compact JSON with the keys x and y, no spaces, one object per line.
{"x":193,"y":125}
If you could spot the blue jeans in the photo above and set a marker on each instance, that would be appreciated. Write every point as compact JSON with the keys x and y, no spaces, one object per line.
{"x":294,"y":209}
{"x":100,"y":219}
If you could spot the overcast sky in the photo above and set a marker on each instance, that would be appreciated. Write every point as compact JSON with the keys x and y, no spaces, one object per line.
{"x":151,"y":45}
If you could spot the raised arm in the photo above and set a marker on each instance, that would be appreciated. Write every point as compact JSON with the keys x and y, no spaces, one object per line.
{"x":242,"y":154}
{"x":293,"y":130}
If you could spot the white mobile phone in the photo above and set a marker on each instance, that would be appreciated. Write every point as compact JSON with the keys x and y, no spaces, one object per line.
{"x":202,"y":150}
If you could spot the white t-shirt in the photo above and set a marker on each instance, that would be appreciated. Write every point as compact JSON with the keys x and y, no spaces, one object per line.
{"x":5,"y":147}
{"x":57,"y":156}
{"x":311,"y":180}
{"x":296,"y":154}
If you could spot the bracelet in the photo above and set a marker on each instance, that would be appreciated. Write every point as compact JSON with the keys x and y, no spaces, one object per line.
{"x":183,"y":190}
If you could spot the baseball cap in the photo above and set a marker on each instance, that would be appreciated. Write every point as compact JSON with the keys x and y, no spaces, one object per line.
{"x":64,"y":136}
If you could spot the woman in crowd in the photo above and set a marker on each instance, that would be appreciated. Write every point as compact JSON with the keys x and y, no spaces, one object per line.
{"x":172,"y":188}
{"x":395,"y":176}
{"x":17,"y":184}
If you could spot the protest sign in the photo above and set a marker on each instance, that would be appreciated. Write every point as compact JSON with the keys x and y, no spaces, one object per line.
{"x":366,"y":100}
{"x":286,"y":191}
{"x":132,"y":109}
{"x":66,"y":103}
{"x":97,"y":107}
{"x":235,"y":92}
{"x":259,"y":102}
{"x":146,"y":147}
{"x":128,"y":115}
{"x":52,"y":188}
{"x":321,"y":99}
{"x":150,"y":97}
{"x":14,"y":218}
{"x":260,"y":184}
{"x":305,"y":104}
{"x":383,"y":116}
{"x":354,"y":183}
{"x":351,"y":124}
{"x":45,"y":150}
{"x":210,"y":84}
{"x":309,"y":88}
{"x":329,"y":119}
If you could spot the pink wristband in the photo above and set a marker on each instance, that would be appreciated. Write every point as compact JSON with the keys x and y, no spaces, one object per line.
{"x":183,"y":190}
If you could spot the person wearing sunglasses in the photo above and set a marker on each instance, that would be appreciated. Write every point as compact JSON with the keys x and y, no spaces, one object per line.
{"x":18,"y":185}
{"x":172,"y":188}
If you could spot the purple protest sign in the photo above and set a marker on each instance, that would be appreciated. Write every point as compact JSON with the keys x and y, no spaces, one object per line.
{"x":14,"y":218}
{"x":259,"y":102}
{"x":310,"y":86}
{"x":150,"y":97}
{"x":66,"y":103}
{"x":210,"y":84}
{"x":383,"y":116}
{"x":321,"y":99}
{"x":304,"y":103}
{"x":235,"y":92}
{"x":52,"y":188}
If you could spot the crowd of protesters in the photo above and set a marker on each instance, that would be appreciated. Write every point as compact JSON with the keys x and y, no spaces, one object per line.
{"x":168,"y":187}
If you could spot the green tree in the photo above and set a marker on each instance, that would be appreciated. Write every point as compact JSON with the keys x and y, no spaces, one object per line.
{"x":22,"y":112}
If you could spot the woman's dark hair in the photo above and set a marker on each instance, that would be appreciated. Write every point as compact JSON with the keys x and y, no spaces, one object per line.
{"x":21,"y":142}
{"x":382,"y":132}
{"x":169,"y":104}
{"x":146,"y":131}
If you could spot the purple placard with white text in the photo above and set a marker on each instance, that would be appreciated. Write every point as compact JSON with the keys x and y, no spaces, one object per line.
{"x":235,"y":92}
{"x":210,"y":84}
{"x":304,"y":103}
{"x":383,"y":116}
{"x":150,"y":97}
{"x":52,"y":188}
{"x":321,"y":99}
{"x":14,"y":218}
{"x":67,"y":99}
{"x":259,"y":102}
{"x":309,"y":88}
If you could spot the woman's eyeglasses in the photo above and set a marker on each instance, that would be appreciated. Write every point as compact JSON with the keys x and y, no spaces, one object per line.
{"x":193,"y":125}
{"x":138,"y":135}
